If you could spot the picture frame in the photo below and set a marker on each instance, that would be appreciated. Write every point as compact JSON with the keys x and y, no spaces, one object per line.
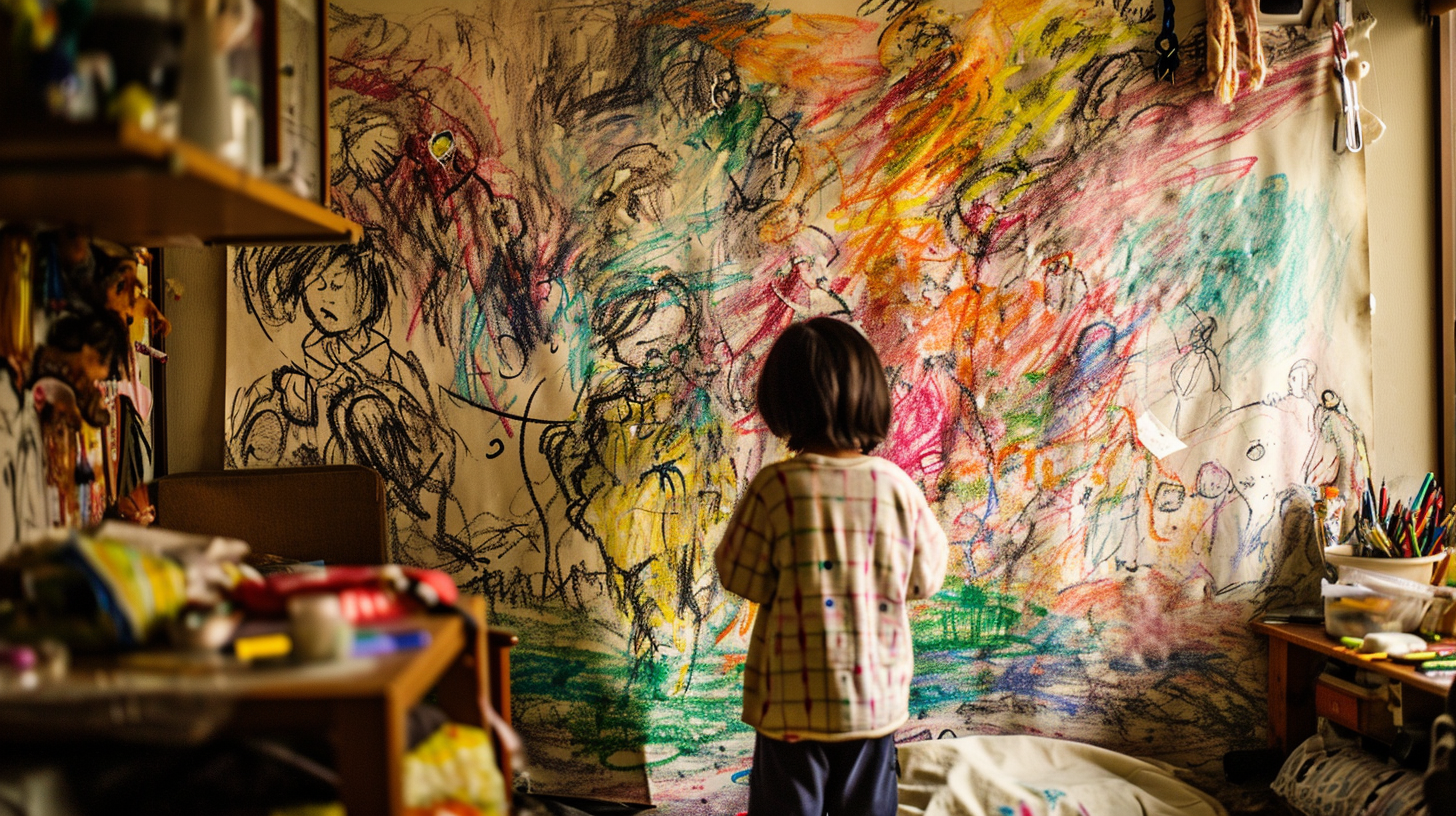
{"x":295,"y":96}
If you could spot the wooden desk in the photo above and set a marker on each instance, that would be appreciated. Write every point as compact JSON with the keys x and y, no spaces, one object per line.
{"x":1297,"y":652}
{"x":362,"y":705}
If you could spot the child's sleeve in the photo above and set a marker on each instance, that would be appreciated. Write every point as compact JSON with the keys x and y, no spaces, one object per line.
{"x":744,"y":557}
{"x":927,"y":570}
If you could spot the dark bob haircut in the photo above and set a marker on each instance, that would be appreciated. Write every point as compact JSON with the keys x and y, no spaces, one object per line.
{"x":823,"y":386}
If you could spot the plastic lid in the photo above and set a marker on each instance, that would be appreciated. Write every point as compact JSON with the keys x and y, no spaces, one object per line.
{"x":1387,"y":584}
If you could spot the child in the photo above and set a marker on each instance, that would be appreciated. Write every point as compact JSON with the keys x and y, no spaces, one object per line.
{"x":831,"y":543}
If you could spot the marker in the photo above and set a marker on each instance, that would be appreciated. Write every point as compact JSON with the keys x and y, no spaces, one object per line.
{"x":261,"y":647}
{"x":1439,"y":664}
{"x":368,"y":643}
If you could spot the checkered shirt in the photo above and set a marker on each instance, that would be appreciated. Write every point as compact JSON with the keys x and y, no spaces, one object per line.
{"x":831,"y":549}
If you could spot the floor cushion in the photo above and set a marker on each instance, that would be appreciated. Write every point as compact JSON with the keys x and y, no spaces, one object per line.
{"x":1039,"y":776}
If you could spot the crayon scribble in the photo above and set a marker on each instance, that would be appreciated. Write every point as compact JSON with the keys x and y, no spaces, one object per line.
{"x":587,"y":222}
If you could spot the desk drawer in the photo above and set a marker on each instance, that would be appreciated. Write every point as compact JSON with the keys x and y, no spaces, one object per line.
{"x":1355,"y":707}
{"x":1337,"y":705}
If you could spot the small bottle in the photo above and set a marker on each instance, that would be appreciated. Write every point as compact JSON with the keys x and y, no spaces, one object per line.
{"x":1329,"y":517}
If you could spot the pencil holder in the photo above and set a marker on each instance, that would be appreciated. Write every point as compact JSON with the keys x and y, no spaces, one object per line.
{"x":1412,"y":569}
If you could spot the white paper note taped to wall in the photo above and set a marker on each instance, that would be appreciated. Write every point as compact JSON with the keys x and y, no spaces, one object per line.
{"x":1156,"y":437}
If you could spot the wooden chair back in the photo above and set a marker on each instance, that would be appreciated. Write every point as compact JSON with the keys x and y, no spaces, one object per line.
{"x":333,"y":513}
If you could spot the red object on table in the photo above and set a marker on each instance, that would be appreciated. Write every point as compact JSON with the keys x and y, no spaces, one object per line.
{"x":374,"y":593}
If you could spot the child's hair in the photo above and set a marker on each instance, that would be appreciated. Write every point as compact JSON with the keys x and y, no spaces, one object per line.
{"x":823,"y":386}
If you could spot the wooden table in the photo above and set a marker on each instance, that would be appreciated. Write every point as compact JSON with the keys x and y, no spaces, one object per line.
{"x":1297,"y":652}
{"x":360,"y":704}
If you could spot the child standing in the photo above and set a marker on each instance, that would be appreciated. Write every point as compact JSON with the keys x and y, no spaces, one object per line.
{"x":831,"y":544}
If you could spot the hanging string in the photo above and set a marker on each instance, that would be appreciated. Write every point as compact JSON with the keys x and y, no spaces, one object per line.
{"x":1234,"y":44}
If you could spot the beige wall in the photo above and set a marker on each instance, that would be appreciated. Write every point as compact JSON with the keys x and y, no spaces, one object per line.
{"x":1403,"y":257}
{"x":196,"y":359}
{"x":1404,"y":242}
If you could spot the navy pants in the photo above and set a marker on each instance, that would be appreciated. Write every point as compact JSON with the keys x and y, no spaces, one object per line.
{"x":808,"y":778}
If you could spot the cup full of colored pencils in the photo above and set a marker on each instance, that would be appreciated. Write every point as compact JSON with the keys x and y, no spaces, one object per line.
{"x":1416,"y":529}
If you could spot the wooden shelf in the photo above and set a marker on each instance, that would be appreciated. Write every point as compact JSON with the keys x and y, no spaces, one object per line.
{"x":136,"y":188}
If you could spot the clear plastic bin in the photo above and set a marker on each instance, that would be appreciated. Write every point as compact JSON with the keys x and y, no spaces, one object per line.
{"x":1364,"y":602}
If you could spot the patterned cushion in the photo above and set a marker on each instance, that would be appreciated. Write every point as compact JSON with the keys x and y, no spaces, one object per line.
{"x":1328,"y":775}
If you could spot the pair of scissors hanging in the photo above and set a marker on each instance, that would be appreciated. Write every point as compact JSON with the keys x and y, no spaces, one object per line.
{"x":1348,"y":135}
{"x":1166,"y":47}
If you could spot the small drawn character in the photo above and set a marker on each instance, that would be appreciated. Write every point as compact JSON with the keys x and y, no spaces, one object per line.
{"x":354,"y":399}
{"x":1198,"y":382}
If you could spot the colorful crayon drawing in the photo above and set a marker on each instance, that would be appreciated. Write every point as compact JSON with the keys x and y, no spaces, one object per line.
{"x":585,"y":224}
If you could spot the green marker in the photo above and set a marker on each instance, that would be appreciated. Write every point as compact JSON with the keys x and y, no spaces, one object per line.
{"x":1441,"y":664}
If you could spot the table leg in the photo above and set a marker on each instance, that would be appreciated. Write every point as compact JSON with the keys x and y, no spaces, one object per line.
{"x":369,"y":747}
{"x":463,"y":689}
{"x":1292,"y":674}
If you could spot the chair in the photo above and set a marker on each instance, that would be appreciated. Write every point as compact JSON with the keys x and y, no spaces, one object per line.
{"x":333,"y":513}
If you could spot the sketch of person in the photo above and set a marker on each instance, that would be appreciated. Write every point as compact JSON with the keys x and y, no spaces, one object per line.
{"x":1198,"y":382}
{"x":643,"y":464}
{"x":354,"y":399}
{"x":1338,"y":455}
{"x":1300,"y":399}
{"x":1222,"y":513}
{"x":1119,"y":513}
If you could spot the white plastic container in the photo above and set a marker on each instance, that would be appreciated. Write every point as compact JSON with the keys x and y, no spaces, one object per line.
{"x":1364,"y":602}
{"x":1411,"y":569}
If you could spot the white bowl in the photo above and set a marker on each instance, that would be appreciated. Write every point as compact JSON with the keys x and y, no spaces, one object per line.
{"x":1412,"y":569}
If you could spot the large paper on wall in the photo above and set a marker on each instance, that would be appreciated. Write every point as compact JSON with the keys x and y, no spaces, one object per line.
{"x":585,"y":225}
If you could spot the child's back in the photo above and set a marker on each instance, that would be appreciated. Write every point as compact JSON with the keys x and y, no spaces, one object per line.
{"x":831,"y":543}
{"x":832,"y":548}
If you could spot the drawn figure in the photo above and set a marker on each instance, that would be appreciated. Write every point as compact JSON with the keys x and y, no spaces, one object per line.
{"x":1338,"y":456}
{"x":1198,"y":382}
{"x":643,"y":466}
{"x":354,"y":399}
{"x":1221,"y":512}
{"x":1300,"y":399}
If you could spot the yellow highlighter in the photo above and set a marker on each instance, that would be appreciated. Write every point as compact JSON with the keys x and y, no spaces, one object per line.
{"x":262,"y":647}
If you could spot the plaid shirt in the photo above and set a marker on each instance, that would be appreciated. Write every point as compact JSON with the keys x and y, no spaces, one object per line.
{"x":831,"y":549}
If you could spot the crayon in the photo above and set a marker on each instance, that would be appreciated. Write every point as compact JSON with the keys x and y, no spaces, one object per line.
{"x":1418,"y":657}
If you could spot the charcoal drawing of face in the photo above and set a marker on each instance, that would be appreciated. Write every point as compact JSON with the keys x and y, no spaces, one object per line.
{"x":334,"y":299}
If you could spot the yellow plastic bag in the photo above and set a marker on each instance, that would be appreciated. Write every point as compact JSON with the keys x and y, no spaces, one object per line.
{"x":454,"y":772}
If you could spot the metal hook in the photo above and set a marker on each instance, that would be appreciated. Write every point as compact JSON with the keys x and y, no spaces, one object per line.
{"x":1166,"y":47}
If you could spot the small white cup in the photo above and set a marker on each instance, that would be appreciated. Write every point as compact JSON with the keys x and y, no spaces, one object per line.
{"x":320,"y":630}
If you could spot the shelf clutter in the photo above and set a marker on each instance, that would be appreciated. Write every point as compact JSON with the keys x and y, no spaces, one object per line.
{"x":140,"y":189}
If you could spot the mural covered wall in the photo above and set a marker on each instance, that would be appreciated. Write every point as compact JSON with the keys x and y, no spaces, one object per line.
{"x":585,"y":224}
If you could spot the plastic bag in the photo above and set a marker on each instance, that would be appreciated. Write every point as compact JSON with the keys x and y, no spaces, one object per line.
{"x":454,"y":771}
